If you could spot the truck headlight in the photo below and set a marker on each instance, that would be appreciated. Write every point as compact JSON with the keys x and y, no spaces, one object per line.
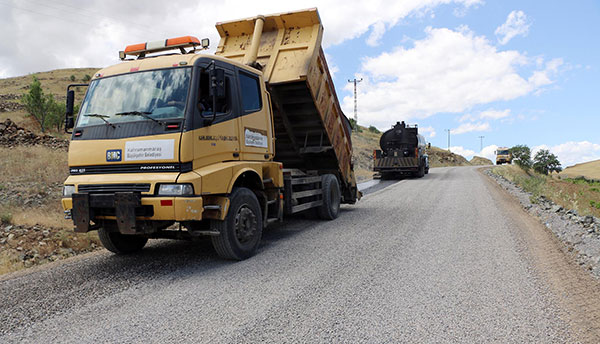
{"x":175,"y":190}
{"x":68,"y":190}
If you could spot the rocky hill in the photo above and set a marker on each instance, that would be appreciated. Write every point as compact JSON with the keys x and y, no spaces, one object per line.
{"x":480,"y":161}
{"x":12,"y":135}
{"x":53,"y":82}
{"x":440,"y":158}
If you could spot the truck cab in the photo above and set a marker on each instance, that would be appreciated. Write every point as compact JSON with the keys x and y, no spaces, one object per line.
{"x":503,"y":156}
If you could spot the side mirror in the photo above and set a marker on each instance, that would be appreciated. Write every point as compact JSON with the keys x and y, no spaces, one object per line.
{"x":69,"y":123}
{"x":217,"y":82}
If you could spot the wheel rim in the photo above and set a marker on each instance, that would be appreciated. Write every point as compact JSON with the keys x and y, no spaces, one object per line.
{"x":245,"y":225}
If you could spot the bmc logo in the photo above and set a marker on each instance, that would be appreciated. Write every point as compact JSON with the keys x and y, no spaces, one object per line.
{"x":113,"y":155}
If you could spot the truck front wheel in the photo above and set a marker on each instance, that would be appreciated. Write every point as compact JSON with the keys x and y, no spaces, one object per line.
{"x":241,"y":230}
{"x":120,"y":243}
{"x":330,"y":208}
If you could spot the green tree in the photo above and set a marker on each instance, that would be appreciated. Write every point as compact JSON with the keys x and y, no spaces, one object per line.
{"x":545,"y":162}
{"x":38,"y":105}
{"x":72,"y":77}
{"x":373,"y":129}
{"x":86,"y":78}
{"x":522,"y":156}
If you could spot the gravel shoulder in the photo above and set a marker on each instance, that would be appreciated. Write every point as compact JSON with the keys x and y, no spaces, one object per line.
{"x":548,"y":233}
{"x":436,"y":259}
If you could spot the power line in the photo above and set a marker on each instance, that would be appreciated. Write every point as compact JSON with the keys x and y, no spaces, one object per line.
{"x":70,"y":21}
{"x":91,"y":14}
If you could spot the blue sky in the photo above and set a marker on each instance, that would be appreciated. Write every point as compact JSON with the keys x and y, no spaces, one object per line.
{"x":560,"y":115}
{"x":516,"y":72}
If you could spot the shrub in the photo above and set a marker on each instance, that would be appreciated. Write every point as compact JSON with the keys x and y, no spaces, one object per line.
{"x":373,"y":129}
{"x":40,"y":106}
{"x":546,"y":162}
{"x":522,"y":156}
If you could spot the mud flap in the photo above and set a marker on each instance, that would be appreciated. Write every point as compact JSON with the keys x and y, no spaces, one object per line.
{"x":125,"y":204}
{"x":81,"y":212}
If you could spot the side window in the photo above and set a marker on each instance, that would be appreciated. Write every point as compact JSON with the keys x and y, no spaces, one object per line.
{"x":251,"y":97}
{"x":205,"y":101}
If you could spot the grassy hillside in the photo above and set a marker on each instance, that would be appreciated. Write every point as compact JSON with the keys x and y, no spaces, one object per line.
{"x":53,"y":82}
{"x":589,"y":170}
{"x":439,"y":157}
{"x":578,"y":194}
{"x":480,"y":161}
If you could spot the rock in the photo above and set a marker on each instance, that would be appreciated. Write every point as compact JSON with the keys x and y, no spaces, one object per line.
{"x":556,"y":208}
{"x":2,"y":241}
{"x":588,"y":219}
{"x":8,"y":228}
{"x":19,"y":248}
{"x":11,"y":236}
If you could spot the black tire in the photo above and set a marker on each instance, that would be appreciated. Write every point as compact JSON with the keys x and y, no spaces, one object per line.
{"x":121,"y":243}
{"x":242,"y":228}
{"x":421,"y":171}
{"x":330,"y":208}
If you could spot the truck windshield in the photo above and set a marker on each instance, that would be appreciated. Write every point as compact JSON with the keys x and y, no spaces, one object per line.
{"x":503,"y":152}
{"x":144,"y":96}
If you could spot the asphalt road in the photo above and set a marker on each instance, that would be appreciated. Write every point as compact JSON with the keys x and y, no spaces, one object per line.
{"x":435,"y":259}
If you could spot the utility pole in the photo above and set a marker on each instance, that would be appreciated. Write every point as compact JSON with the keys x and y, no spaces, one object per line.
{"x":448,"y":130}
{"x":355,"y":107}
{"x":481,"y":143}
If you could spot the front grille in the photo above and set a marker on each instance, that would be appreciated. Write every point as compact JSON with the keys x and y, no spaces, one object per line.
{"x":111,"y":188}
{"x":131,"y":168}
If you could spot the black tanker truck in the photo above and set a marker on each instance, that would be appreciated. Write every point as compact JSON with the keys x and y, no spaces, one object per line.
{"x":402,"y":153}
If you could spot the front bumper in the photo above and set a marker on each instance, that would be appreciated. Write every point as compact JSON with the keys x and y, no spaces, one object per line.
{"x":127,"y":208}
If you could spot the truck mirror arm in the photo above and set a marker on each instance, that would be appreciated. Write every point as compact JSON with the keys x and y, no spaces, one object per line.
{"x":69,"y":120}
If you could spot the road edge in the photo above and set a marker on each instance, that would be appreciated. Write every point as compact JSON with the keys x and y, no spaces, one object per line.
{"x":576,"y":291}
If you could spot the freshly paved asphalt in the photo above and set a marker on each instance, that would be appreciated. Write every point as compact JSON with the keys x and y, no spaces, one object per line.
{"x":419,"y":260}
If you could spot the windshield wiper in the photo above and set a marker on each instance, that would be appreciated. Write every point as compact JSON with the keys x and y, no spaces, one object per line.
{"x":144,"y":114}
{"x":102,"y":117}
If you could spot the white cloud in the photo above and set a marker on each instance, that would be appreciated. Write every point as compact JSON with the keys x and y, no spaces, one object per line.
{"x":447,"y":71}
{"x":516,"y":24}
{"x":377,"y":31}
{"x":486,"y":115}
{"x":489,"y":152}
{"x":70,"y":40}
{"x":427,"y":131}
{"x":460,"y":150}
{"x":470,"y":127}
{"x":571,"y":153}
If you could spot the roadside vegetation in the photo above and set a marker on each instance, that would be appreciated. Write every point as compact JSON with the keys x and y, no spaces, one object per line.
{"x":539,"y":176}
{"x":33,"y":230}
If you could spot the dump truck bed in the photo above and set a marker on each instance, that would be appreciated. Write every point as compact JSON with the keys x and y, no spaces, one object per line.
{"x":311,"y":130}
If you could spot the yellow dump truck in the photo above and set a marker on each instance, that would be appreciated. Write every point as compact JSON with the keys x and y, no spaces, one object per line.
{"x":503,"y":156}
{"x":174,"y":143}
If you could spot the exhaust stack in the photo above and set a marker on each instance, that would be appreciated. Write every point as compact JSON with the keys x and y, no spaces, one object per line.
{"x":252,"y":53}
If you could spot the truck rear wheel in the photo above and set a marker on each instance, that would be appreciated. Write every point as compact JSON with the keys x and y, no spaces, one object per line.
{"x":330,"y":208}
{"x":241,"y":230}
{"x":121,"y":243}
{"x":421,"y":171}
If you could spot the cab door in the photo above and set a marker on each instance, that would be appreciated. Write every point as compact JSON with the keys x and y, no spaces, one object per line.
{"x":256,"y":134}
{"x":216,"y":133}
